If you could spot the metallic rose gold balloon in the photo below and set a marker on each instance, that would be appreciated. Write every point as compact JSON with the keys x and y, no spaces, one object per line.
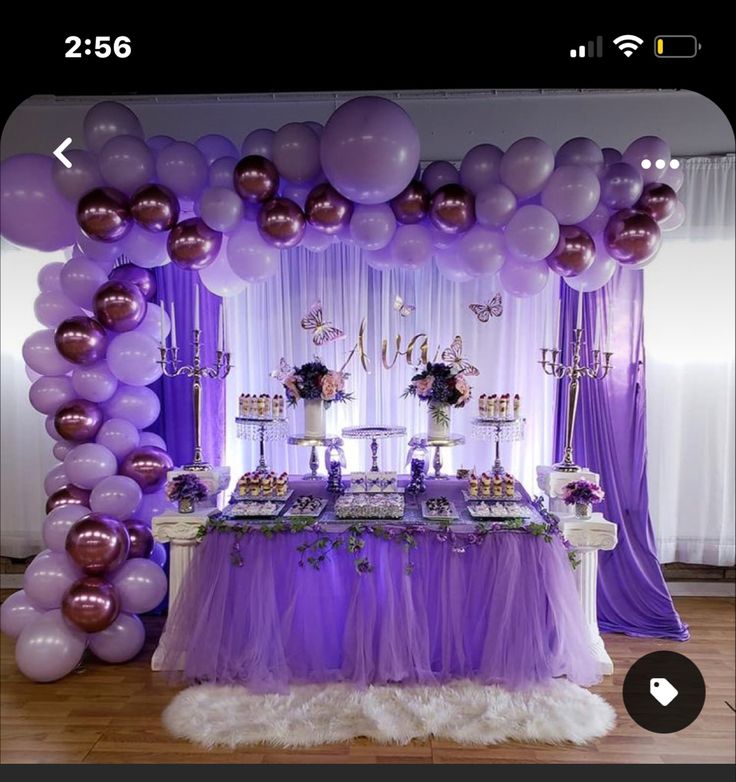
{"x":97,"y":543}
{"x":91,"y":604}
{"x":256,"y":179}
{"x":147,"y":465}
{"x":658,"y":200}
{"x":68,"y":495}
{"x":193,"y":245}
{"x":411,"y":205}
{"x":103,"y":214}
{"x":155,"y":208}
{"x":281,"y":222}
{"x":136,"y":275}
{"x":141,"y":539}
{"x":452,"y":209}
{"x":327,"y":210}
{"x":78,"y":420}
{"x":575,"y":252}
{"x":119,"y":306}
{"x":81,"y":340}
{"x":632,"y":237}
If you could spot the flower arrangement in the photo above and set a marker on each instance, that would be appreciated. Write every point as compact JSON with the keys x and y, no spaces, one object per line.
{"x":439,"y":384}
{"x":582,"y":493}
{"x":314,"y":380}
{"x":186,"y":486}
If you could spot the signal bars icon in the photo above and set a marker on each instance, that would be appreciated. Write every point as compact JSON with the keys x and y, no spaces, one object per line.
{"x":592,"y":49}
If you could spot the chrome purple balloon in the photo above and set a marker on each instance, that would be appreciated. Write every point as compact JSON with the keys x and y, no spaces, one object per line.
{"x":327,"y":210}
{"x":119,"y":306}
{"x":98,"y":543}
{"x":411,"y":205}
{"x":90,"y":604}
{"x":281,"y":222}
{"x":632,"y":238}
{"x":141,"y":539}
{"x":155,"y":208}
{"x":136,"y":275}
{"x":574,"y":254}
{"x":193,"y":245}
{"x":255,"y":179}
{"x":103,"y":214}
{"x":78,"y":420}
{"x":452,"y":209}
{"x":147,"y":466}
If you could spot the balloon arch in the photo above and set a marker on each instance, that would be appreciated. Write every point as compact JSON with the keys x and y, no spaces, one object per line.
{"x":524,"y":213}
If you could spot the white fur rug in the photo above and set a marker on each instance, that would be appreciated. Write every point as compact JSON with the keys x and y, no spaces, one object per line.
{"x":464,"y":711}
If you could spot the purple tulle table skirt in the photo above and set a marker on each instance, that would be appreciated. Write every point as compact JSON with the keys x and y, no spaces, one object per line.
{"x":505,"y":611}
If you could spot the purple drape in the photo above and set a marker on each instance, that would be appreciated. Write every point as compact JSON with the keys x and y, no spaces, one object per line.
{"x":610,"y":439}
{"x":176,"y":423}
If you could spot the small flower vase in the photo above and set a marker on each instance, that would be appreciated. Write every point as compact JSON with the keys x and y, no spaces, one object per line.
{"x":314,"y":418}
{"x":186,"y":505}
{"x":438,"y":421}
{"x":583,"y":510}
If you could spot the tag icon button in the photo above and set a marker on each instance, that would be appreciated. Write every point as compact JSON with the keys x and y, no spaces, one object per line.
{"x":662,"y":691}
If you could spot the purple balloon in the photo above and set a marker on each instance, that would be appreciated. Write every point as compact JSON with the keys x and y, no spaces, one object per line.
{"x":52,"y":307}
{"x":481,"y":167}
{"x":136,"y":404}
{"x":632,"y":238}
{"x":159,"y":142}
{"x":55,"y":479}
{"x":61,"y":449}
{"x":47,"y":578}
{"x":575,"y":252}
{"x":372,"y":226}
{"x":69,"y":495}
{"x":78,"y":421}
{"x":610,"y":156}
{"x":88,"y":464}
{"x":48,"y":648}
{"x":155,"y":208}
{"x":220,"y":279}
{"x":146,"y":248}
{"x":91,"y":604}
{"x":316,"y":241}
{"x":222,"y":171}
{"x":674,"y":177}
{"x":48,"y":394}
{"x":658,"y":200}
{"x":119,"y":436}
{"x":296,"y":149}
{"x":327,"y":210}
{"x":49,"y":277}
{"x":452,"y":209}
{"x":32,"y":211}
{"x":450,"y":266}
{"x":141,"y":539}
{"x":148,"y":467}
{"x":102,"y":253}
{"x":281,"y":222}
{"x":258,"y":142}
{"x":80,"y":279}
{"x":97,"y":543}
{"x":438,"y":174}
{"x":153,"y":505}
{"x":141,"y":585}
{"x":494,"y":205}
{"x":596,"y":275}
{"x":532,"y":233}
{"x":526,"y":166}
{"x":571,"y":194}
{"x":193,"y":245}
{"x":116,"y":496}
{"x":481,"y":251}
{"x":580,"y":152}
{"x":126,"y":163}
{"x":214,"y":146}
{"x":119,"y":306}
{"x":221,"y":208}
{"x":58,"y":522}
{"x":17,"y":612}
{"x":151,"y":324}
{"x":151,"y":438}
{"x":648,"y":149}
{"x":411,"y":205}
{"x":119,"y":642}
{"x":104,"y":214}
{"x":523,"y":279}
{"x":41,"y":355}
{"x":621,"y":186}
{"x":136,"y":275}
{"x":158,"y":555}
{"x":676,"y":219}
{"x":106,"y":120}
{"x":369,"y":150}
{"x":133,"y":359}
{"x":411,"y":247}
{"x":83,"y":175}
{"x":597,"y":221}
{"x":95,"y":383}
{"x":182,"y":168}
{"x":81,"y":340}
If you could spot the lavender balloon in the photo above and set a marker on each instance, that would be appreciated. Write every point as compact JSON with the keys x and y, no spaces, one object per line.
{"x":82,"y":176}
{"x":258,"y":142}
{"x":49,"y":277}
{"x":17,"y":612}
{"x":88,"y":464}
{"x":133,"y":359}
{"x":296,"y":150}
{"x":141,"y":585}
{"x":102,"y":253}
{"x":481,"y":251}
{"x":81,"y":340}
{"x":126,"y":163}
{"x":526,"y":166}
{"x":221,"y":172}
{"x":450,"y":266}
{"x":523,"y":279}
{"x":220,"y":279}
{"x":158,"y":555}
{"x":532,"y":233}
{"x":119,"y":436}
{"x":148,"y":467}
{"x":494,"y":205}
{"x":182,"y":168}
{"x":316,"y":241}
{"x":48,"y":648}
{"x":58,"y":522}
{"x":52,"y":307}
{"x":676,"y":219}
{"x":411,"y":247}
{"x":47,"y":578}
{"x":106,"y":120}
{"x":55,"y":479}
{"x":438,"y":174}
{"x":153,"y":505}
{"x":94,"y":383}
{"x":146,"y":248}
{"x":372,"y":226}
{"x":481,"y":167}
{"x":116,"y":496}
{"x":221,"y":208}
{"x":214,"y":146}
{"x":61,"y":449}
{"x":138,"y":276}
{"x":571,"y":194}
{"x":674,"y":177}
{"x":651,"y":149}
{"x":136,"y":404}
{"x":610,"y":156}
{"x":80,"y":279}
{"x":597,"y":221}
{"x":151,"y":438}
{"x":48,"y":394}
{"x":596,"y":275}
{"x":151,"y":324}
{"x":621,"y":186}
{"x":159,"y":142}
{"x":580,"y":152}
{"x":121,"y":641}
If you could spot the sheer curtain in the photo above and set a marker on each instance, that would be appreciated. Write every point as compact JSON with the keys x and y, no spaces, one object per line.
{"x":264,"y":324}
{"x":689,"y":335}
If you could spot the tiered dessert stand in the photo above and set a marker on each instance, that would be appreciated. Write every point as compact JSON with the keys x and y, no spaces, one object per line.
{"x":313,"y":442}
{"x":498,"y":430}
{"x":374,"y":434}
{"x":261,"y":430}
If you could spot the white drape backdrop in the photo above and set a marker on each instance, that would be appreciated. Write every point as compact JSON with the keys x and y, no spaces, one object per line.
{"x":689,"y":337}
{"x":265,"y":325}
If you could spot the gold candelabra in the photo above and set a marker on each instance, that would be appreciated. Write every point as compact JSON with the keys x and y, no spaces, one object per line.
{"x":599,"y":368}
{"x":218,"y":371}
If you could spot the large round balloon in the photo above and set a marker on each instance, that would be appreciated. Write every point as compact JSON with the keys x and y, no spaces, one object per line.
{"x":95,"y":383}
{"x":48,"y":394}
{"x":523,"y":279}
{"x":481,"y":251}
{"x":119,"y":436}
{"x":155,"y":208}
{"x":51,"y":307}
{"x":255,"y":179}
{"x":526,"y":166}
{"x":17,"y":612}
{"x":296,"y":152}
{"x":632,"y":238}
{"x":81,"y":340}
{"x":58,"y":522}
{"x":571,"y":193}
{"x":116,"y":496}
{"x":151,"y":438}
{"x":221,"y":208}
{"x":369,"y":150}
{"x":327,"y":210}
{"x":120,"y":641}
{"x":80,"y":279}
{"x":452,"y":209}
{"x":48,"y":649}
{"x":47,"y":578}
{"x":146,"y":248}
{"x":532,"y":233}
{"x":658,"y":200}
{"x":82,"y":176}
{"x":222,"y":172}
{"x":55,"y":480}
{"x":133,"y":359}
{"x":193,"y":245}
{"x":41,"y":355}
{"x":147,"y":466}
{"x":596,"y":222}
{"x":596,"y":275}
{"x":119,"y":306}
{"x":69,"y":495}
{"x":136,"y":275}
{"x":411,"y":205}
{"x":281,"y":222}
{"x":449,"y":266}
{"x":141,"y":585}
{"x":90,"y":604}
{"x":103,"y":253}
{"x":88,"y":464}
{"x":32,"y":211}
{"x":136,"y":404}
{"x":49,"y":277}
{"x":107,"y":120}
{"x":481,"y":167}
{"x":494,"y":205}
{"x":220,"y":278}
{"x":103,"y":214}
{"x":141,"y":539}
{"x":575,"y":252}
{"x":411,"y":247}
{"x":214,"y":146}
{"x":580,"y":151}
{"x":440,"y":173}
{"x":258,"y":142}
{"x":643,"y":155}
{"x":372,"y":226}
{"x":98,"y":543}
{"x":621,"y":185}
{"x":153,"y":505}
{"x":182,"y":168}
{"x":126,"y":163}
{"x":78,"y":420}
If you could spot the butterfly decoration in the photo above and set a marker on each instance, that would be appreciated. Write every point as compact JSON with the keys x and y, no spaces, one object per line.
{"x":493,"y":309}
{"x":285,"y":369}
{"x":402,"y":308}
{"x":454,"y":357}
{"x":323,"y":332}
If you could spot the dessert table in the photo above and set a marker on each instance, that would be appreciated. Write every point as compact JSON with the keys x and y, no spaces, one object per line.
{"x":270,"y":604}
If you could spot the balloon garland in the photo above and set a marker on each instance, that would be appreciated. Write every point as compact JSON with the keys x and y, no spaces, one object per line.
{"x":225,"y":215}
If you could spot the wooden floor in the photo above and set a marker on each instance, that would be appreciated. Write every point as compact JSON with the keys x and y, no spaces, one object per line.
{"x":112,"y":714}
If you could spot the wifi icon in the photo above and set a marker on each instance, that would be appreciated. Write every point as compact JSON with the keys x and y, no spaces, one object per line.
{"x":628,"y":44}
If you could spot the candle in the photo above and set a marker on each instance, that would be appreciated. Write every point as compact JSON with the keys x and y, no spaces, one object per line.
{"x":597,"y":339}
{"x":163,"y":316}
{"x":220,"y":346}
{"x":608,"y":333}
{"x":196,"y":307}
{"x":173,"y":324}
{"x":579,"y":322}
{"x":556,"y":325}
{"x":224,"y":327}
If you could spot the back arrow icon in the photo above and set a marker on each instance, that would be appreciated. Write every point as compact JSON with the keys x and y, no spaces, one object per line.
{"x":59,"y":153}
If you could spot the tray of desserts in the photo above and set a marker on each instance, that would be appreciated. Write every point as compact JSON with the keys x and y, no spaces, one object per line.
{"x":373,"y":483}
{"x":469,"y":497}
{"x":498,"y":511}
{"x":439,"y":509}
{"x":490,"y":486}
{"x":365,"y":505}
{"x":262,"y":487}
{"x":306,"y":506}
{"x":249,"y":510}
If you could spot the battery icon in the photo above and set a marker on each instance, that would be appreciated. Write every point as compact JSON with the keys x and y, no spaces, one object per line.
{"x":676,"y":46}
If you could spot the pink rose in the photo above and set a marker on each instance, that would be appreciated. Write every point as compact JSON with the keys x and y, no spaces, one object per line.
{"x":329,"y":387}
{"x":339,"y":379}
{"x":461,"y":384}
{"x":424,"y":387}
{"x":290,"y":384}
